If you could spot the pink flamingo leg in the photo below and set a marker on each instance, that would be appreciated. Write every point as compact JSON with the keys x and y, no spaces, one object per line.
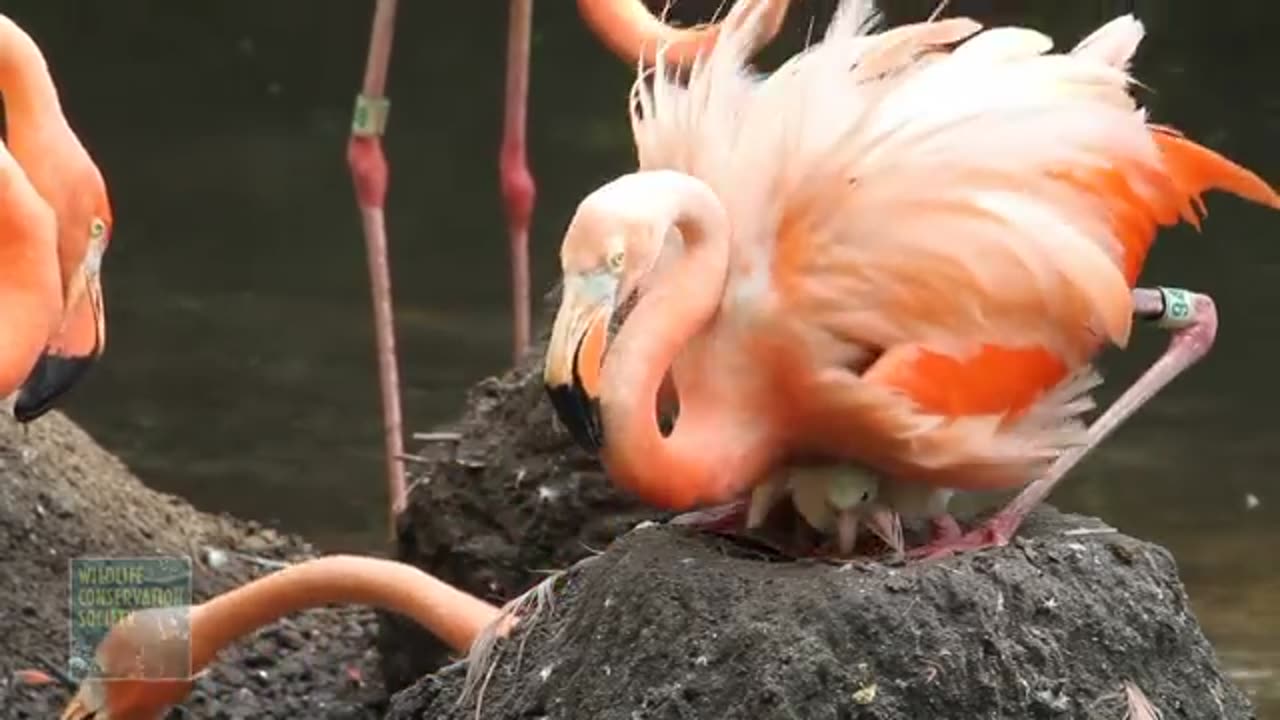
{"x":369,"y":174}
{"x":1194,"y":321}
{"x":945,"y":529}
{"x":728,"y":518}
{"x":517,"y":182}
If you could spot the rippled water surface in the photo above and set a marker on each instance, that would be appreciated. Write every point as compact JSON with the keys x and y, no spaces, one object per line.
{"x":240,"y":372}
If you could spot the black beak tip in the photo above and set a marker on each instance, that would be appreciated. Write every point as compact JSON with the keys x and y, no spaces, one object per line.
{"x":51,"y":379}
{"x":580,"y":415}
{"x":59,"y":675}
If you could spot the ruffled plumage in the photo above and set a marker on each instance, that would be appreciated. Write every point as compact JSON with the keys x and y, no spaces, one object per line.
{"x":934,"y":194}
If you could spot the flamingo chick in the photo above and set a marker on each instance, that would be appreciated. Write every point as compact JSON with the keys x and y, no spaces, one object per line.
{"x":67,"y":178}
{"x":901,"y":250}
{"x":832,"y":499}
{"x":149,"y":659}
{"x":836,"y":499}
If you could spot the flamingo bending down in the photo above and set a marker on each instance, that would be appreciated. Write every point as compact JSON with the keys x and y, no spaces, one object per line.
{"x":454,"y":616}
{"x":149,"y":659}
{"x":901,"y":250}
{"x":66,"y":177}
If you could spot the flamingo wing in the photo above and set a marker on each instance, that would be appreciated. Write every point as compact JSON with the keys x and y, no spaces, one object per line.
{"x":1008,"y":380}
{"x":966,"y":204}
{"x":981,"y":219}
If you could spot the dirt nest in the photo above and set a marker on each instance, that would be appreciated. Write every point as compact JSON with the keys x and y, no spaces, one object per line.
{"x":493,"y":510}
{"x":670,"y":623}
{"x":63,"y":496}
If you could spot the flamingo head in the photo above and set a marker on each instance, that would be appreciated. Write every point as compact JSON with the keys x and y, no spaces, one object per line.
{"x":81,"y":338}
{"x":143,"y":669}
{"x":613,"y":247}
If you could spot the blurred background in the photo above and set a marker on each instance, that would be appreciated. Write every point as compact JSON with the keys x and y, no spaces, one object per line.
{"x":240,"y":371}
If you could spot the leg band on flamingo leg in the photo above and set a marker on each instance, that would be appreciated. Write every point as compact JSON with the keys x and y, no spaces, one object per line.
{"x":1178,"y":308}
{"x":1194,"y":321}
{"x":369,"y":119}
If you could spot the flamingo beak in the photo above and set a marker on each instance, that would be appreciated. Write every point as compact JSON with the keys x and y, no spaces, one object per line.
{"x":575,"y":354}
{"x":887,"y":525}
{"x":68,"y":357}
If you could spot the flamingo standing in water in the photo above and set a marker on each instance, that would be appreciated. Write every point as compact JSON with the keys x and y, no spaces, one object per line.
{"x":900,"y":252}
{"x":66,"y":177}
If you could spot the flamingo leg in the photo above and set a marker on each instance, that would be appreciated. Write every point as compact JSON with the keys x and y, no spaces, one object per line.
{"x":945,"y":528}
{"x":513,"y":168}
{"x":369,"y":174}
{"x":728,"y":518}
{"x":1194,"y":321}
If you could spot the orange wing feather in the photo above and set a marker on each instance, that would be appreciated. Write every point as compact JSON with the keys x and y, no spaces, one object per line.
{"x":1009,"y":380}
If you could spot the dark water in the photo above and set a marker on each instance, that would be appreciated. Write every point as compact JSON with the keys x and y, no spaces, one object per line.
{"x":240,"y":371}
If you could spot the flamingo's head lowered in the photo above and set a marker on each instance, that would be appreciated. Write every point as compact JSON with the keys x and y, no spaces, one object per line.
{"x":145,"y":667}
{"x":82,"y":335}
{"x":612,"y":248}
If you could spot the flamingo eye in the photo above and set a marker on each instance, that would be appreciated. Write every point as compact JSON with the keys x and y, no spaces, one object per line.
{"x":97,"y":229}
{"x":616,"y":260}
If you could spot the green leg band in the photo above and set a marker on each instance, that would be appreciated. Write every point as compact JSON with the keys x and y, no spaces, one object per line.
{"x":370,"y":116}
{"x":1179,"y":308}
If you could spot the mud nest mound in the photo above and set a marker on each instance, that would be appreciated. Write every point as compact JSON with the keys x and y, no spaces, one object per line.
{"x":498,"y":500}
{"x":670,"y":623}
{"x":63,"y":496}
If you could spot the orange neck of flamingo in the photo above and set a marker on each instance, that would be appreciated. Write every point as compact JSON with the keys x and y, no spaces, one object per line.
{"x":450,"y":614}
{"x":703,"y":456}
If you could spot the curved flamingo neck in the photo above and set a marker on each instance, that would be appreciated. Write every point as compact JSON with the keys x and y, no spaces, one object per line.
{"x":46,"y":147}
{"x":31,"y":104}
{"x":682,"y":469}
{"x":450,"y":614}
{"x":632,"y":32}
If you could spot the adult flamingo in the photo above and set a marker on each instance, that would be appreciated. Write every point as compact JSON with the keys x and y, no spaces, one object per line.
{"x":454,"y":616}
{"x":150,"y":659}
{"x":893,"y":254}
{"x":67,"y":178}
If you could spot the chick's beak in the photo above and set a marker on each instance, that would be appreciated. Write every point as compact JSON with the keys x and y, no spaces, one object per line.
{"x":887,"y":525}
{"x":574,"y":355}
{"x":68,"y":357}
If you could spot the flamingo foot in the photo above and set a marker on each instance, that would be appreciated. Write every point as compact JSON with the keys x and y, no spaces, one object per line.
{"x":944,"y":528}
{"x":729,"y":518}
{"x":994,"y":533}
{"x":733,"y":520}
